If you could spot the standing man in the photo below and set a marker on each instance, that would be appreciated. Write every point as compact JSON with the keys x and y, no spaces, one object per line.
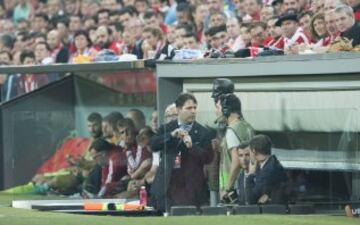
{"x":186,"y":148}
{"x":237,"y":132}
{"x":221,"y":86}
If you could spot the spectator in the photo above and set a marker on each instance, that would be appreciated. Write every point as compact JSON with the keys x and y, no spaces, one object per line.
{"x":151,"y":19}
{"x":72,"y":7}
{"x":292,"y":4}
{"x":355,"y":4}
{"x":125,"y":15}
{"x":217,"y":19}
{"x":217,"y":6}
{"x":239,"y":8}
{"x":258,"y":35}
{"x":180,"y":32}
{"x":105,"y":40}
{"x":317,"y":6}
{"x":22,"y":10}
{"x":8,"y":82}
{"x":74,"y":24}
{"x":346,"y":24}
{"x":266,"y":180}
{"x":23,"y":25}
{"x":330,"y":23}
{"x":54,"y":10}
{"x":304,"y":21}
{"x":141,"y":6}
{"x":103,"y":17}
{"x":233,"y":29}
{"x":128,"y":42}
{"x":188,"y":150}
{"x":190,"y":41}
{"x":331,"y":4}
{"x":84,"y":52}
{"x":58,"y":51}
{"x":110,"y":5}
{"x":252,"y":8}
{"x":219,"y":38}
{"x":89,"y":8}
{"x":275,"y":33}
{"x":42,"y":53}
{"x":154,"y":46}
{"x":245,"y":34}
{"x":40,"y":23}
{"x":266,"y":13}
{"x":200,"y":12}
{"x":183,"y":13}
{"x":319,"y":31}
{"x":6,"y":42}
{"x":292,"y":33}
{"x":278,"y":6}
{"x":30,"y":82}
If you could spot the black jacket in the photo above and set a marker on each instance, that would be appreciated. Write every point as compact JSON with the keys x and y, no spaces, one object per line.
{"x":353,"y":34}
{"x":192,"y":162}
{"x":270,"y":180}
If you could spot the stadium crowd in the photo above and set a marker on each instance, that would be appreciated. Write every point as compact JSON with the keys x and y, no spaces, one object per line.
{"x":75,"y":31}
{"x":43,"y":32}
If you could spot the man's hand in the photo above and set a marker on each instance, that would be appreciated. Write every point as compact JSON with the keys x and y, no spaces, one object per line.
{"x":252,"y":167}
{"x":264,"y":199}
{"x":187,"y":141}
{"x":179,"y":133}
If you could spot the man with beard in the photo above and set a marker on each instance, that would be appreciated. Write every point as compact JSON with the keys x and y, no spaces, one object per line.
{"x":94,"y":121}
{"x":105,"y":40}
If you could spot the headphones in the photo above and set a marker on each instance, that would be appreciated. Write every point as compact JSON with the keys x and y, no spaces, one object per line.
{"x":230,"y":103}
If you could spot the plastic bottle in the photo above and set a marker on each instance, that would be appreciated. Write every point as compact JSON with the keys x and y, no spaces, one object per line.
{"x":143,"y":196}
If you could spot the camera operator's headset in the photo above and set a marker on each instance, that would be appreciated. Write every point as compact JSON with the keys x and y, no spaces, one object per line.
{"x":230,"y":103}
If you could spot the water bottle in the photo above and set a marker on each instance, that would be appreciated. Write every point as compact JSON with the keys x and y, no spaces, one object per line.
{"x":143,"y":196}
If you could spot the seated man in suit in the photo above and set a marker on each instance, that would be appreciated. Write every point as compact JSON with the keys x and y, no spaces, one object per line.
{"x":267,"y":177}
{"x":185,"y":147}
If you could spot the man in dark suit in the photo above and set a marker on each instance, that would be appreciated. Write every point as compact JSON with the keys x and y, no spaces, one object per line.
{"x":185,"y":146}
{"x":266,"y":181}
{"x":244,"y":160}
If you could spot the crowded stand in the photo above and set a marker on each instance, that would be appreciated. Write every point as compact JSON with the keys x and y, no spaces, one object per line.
{"x":45,"y":32}
{"x":65,"y":31}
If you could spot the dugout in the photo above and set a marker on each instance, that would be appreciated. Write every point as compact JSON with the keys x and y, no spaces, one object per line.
{"x":307,"y":104}
{"x":35,"y":124}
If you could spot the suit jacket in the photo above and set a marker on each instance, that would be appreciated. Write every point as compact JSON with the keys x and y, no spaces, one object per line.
{"x":188,"y":181}
{"x":268,"y":180}
{"x":240,"y":189}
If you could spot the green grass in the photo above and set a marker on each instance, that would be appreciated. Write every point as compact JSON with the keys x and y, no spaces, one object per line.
{"x":11,"y":216}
